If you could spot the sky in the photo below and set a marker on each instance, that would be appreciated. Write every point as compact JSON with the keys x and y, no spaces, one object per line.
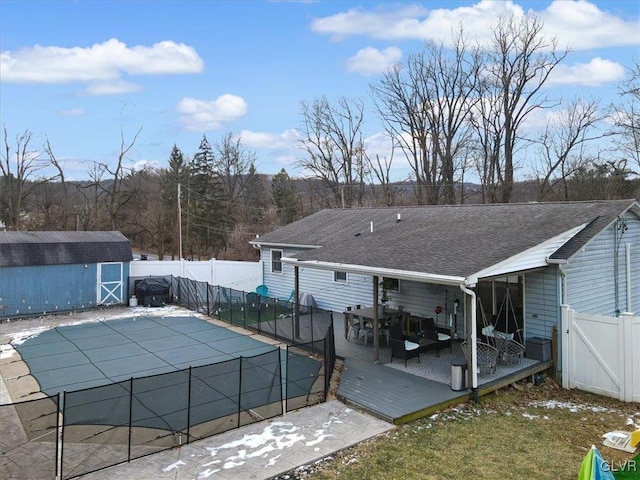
{"x":87,"y":74}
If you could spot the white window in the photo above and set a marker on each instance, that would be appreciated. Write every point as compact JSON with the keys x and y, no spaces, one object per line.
{"x":276,"y":261}
{"x":340,"y":277}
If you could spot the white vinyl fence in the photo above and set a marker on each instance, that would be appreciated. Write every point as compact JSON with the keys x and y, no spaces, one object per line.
{"x":245,"y":276}
{"x":601,"y":354}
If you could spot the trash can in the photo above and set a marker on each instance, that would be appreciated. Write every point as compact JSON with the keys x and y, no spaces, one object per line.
{"x":458,"y":376}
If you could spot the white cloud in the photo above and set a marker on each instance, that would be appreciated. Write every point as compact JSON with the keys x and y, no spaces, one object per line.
{"x":72,"y":112}
{"x":141,"y":165}
{"x":284,"y":147}
{"x":582,"y":25}
{"x":414,"y":21}
{"x":597,"y":72}
{"x":287,"y":140}
{"x":205,"y":115}
{"x":115,"y":87}
{"x":371,"y":61}
{"x":102,"y":63}
{"x":577,"y":24}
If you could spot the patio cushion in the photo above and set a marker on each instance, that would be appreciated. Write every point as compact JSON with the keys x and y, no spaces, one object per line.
{"x":410,"y":345}
{"x":443,"y":337}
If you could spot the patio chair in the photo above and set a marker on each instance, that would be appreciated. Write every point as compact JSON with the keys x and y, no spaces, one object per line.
{"x":229,"y":299}
{"x":354,"y":326}
{"x":262,"y":290}
{"x":253,"y":302}
{"x":403,"y":347}
{"x":487,"y":357}
{"x":441,"y":336}
{"x":365,"y":331}
{"x":509,"y":350}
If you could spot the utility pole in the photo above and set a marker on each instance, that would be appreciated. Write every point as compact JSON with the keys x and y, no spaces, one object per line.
{"x":179,"y":221}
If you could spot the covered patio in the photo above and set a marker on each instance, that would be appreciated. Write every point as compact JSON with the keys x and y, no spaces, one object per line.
{"x":399,"y":394}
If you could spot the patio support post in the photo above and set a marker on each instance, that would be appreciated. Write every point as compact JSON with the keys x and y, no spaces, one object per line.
{"x":376,"y":337}
{"x":472,"y":333}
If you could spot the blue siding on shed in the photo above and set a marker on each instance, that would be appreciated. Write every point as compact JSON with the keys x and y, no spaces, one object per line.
{"x":37,"y":289}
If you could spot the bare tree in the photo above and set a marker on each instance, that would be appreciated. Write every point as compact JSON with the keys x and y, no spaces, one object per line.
{"x":627,"y":118}
{"x":233,"y":164}
{"x":425,"y":104}
{"x":52,"y":197}
{"x":91,"y":213}
{"x":563,"y":143}
{"x":519,"y":64}
{"x":334,"y":147}
{"x":486,"y":120}
{"x":17,"y":168}
{"x":380,"y":174}
{"x":114,"y":192}
{"x":116,"y":196}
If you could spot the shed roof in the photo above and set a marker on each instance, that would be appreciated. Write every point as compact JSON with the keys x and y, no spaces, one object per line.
{"x":56,"y":248}
{"x":455,"y":241}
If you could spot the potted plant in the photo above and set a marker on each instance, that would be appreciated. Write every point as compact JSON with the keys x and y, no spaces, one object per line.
{"x":385,"y":285}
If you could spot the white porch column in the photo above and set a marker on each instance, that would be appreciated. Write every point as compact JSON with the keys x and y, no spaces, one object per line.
{"x":473,"y":340}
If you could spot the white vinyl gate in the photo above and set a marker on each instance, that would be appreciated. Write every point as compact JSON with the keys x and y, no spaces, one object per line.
{"x":601,"y":354}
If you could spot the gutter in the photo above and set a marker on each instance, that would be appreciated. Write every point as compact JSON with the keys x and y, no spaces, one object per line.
{"x":260,"y":244}
{"x":381,"y":272}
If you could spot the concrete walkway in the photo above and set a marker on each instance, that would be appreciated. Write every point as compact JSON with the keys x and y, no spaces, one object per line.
{"x":259,"y":451}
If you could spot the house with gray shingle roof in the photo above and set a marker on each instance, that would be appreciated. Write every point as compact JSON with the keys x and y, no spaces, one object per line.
{"x":48,"y":272}
{"x":543,"y":254}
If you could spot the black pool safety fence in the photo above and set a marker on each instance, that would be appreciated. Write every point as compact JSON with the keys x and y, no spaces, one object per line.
{"x":303,"y":328}
{"x":115,"y":423}
{"x":29,"y":439}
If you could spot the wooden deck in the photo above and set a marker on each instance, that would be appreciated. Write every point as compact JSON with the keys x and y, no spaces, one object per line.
{"x":399,"y":397}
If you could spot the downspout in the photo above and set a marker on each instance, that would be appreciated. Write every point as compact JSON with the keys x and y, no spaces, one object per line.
{"x":563,"y":301}
{"x":628,"y":272}
{"x":563,"y":287}
{"x":474,"y":346}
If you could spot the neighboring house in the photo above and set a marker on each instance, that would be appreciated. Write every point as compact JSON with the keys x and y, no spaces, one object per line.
{"x":58,"y":271}
{"x":586,"y":254}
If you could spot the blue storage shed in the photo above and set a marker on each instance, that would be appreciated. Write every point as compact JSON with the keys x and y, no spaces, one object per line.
{"x":47,"y":272}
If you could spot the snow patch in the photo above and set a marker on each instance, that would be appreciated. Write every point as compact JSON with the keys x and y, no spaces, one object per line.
{"x":173,"y":466}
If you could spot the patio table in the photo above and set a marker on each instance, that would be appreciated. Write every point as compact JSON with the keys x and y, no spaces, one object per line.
{"x":367,"y":313}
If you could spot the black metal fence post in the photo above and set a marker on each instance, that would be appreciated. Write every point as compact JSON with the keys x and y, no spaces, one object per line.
{"x":189,"y":404}
{"x":130,"y":418}
{"x":239,"y":392}
{"x":64,"y":415}
{"x":57,"y":430}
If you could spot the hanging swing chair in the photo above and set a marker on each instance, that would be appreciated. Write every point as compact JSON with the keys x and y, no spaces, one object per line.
{"x":509,"y":345}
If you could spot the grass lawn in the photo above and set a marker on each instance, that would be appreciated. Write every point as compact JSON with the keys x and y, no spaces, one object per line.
{"x":531,"y":432}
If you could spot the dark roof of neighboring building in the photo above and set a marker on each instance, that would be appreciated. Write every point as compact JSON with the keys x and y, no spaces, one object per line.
{"x":452,"y":240}
{"x":56,"y":248}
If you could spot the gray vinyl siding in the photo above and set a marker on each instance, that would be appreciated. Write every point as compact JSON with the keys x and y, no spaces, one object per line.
{"x":417,"y":298}
{"x":591,"y":286}
{"x":541,"y":305}
{"x":329,"y":295}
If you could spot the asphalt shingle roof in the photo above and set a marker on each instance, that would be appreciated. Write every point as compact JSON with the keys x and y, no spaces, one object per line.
{"x":56,"y":248}
{"x":452,"y":240}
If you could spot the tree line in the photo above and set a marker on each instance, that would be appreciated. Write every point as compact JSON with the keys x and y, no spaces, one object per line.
{"x":456,"y":114}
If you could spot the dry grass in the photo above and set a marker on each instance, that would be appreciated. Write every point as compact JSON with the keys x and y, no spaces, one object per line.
{"x":511,"y":435}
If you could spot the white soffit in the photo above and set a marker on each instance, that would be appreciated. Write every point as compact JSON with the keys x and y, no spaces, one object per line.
{"x":534,"y":257}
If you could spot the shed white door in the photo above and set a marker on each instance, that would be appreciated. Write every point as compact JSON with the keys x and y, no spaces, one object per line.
{"x":110,"y":283}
